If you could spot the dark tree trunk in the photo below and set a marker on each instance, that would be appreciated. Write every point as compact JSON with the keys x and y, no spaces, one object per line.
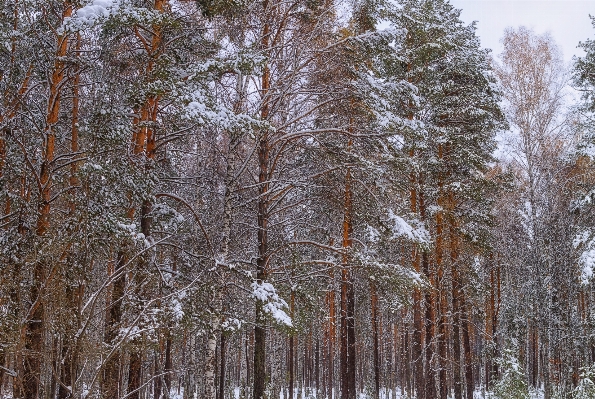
{"x":351,"y":339}
{"x":260,"y":376}
{"x":469,"y":382}
{"x":374,"y":305}
{"x":456,"y":340}
{"x":430,"y":320}
{"x":134,"y":375}
{"x":317,"y":366}
{"x":222,"y":365}
{"x":158,"y":381}
{"x":347,"y":343}
{"x":168,"y":365}
{"x":111,"y":375}
{"x":34,"y":337}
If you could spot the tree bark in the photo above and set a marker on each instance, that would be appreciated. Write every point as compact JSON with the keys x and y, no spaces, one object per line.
{"x":35,"y":320}
{"x":442,"y":293}
{"x":222,"y":366}
{"x":456,"y":293}
{"x":374,"y":306}
{"x":430,"y":318}
{"x":111,"y":375}
{"x":260,"y":376}
{"x":134,"y":375}
{"x":347,"y":343}
{"x":469,"y":382}
{"x":291,"y":352}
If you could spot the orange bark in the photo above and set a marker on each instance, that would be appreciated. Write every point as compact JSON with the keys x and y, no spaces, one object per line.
{"x":35,"y":323}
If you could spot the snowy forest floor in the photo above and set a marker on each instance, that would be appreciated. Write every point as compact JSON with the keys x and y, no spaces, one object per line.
{"x":299,"y":393}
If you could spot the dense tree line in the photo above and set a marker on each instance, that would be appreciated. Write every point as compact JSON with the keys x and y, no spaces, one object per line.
{"x":263,"y":199}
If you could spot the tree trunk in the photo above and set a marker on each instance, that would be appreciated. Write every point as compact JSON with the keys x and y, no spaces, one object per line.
{"x":317,"y":366}
{"x":347,"y":342}
{"x":374,"y":305}
{"x":260,"y":377}
{"x":111,"y":375}
{"x":442,"y":293}
{"x":291,"y":354}
{"x":158,"y":379}
{"x":416,"y":345}
{"x":469,"y":382}
{"x":211,"y":356}
{"x":222,"y":365}
{"x":35,"y":320}
{"x":456,"y":305}
{"x":332,"y":333}
{"x":430,"y":320}
{"x":168,"y":364}
{"x":134,"y":375}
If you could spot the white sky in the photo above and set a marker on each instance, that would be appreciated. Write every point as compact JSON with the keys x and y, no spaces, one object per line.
{"x":567,"y":20}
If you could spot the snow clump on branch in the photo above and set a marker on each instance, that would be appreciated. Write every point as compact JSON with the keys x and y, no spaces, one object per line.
{"x":415,"y":231}
{"x":90,"y":14}
{"x":273,"y":304}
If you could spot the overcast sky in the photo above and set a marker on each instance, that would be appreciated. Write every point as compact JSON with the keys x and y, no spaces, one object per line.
{"x":567,"y":20}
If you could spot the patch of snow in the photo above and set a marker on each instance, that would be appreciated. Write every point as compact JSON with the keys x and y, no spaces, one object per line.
{"x":90,"y":14}
{"x":414,"y":230}
{"x":273,"y":304}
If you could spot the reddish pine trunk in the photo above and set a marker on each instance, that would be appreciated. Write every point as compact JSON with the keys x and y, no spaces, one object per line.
{"x":35,"y":321}
{"x":456,"y":295}
{"x":416,"y":345}
{"x":347,"y":343}
{"x":430,"y":318}
{"x":260,"y":376}
{"x":443,"y":300}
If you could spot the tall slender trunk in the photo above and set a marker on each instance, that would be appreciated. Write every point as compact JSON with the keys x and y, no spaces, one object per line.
{"x":317,"y":366}
{"x":456,"y":322}
{"x":332,"y":332}
{"x":416,"y":345}
{"x":347,"y":343}
{"x":146,"y":144}
{"x":158,"y":381}
{"x":441,"y":287}
{"x":70,"y":345}
{"x":374,"y":306}
{"x":260,"y":376}
{"x":291,"y":350}
{"x":35,"y":319}
{"x":351,"y":338}
{"x":134,"y":374}
{"x":222,"y":365}
{"x":111,"y":374}
{"x":430,"y":329}
{"x":430,"y":316}
{"x":469,"y":382}
{"x":168,"y":364}
{"x":211,"y":351}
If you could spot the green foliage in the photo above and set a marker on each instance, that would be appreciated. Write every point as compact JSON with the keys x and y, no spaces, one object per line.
{"x":512,"y":383}
{"x":215,"y":8}
{"x":586,"y":386}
